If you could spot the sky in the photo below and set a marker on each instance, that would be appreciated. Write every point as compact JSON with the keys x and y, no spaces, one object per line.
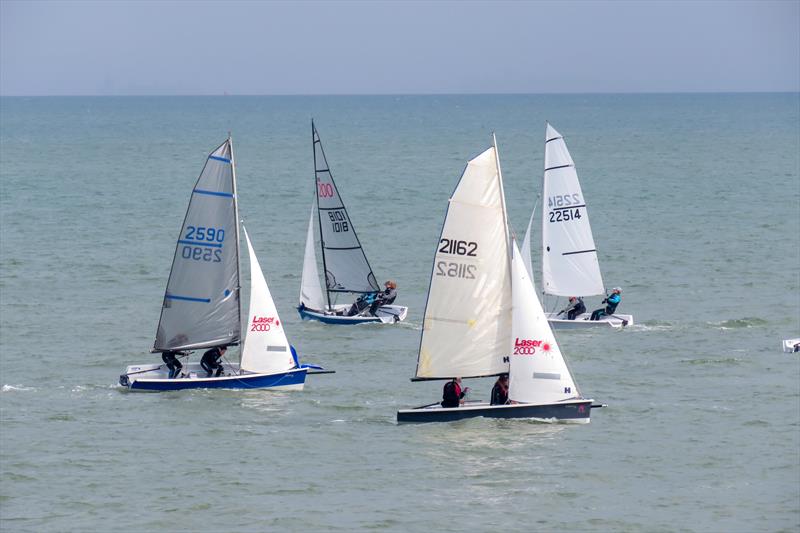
{"x":264,"y":48}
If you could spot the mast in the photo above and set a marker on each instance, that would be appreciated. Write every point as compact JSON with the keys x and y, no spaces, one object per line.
{"x":314,"y":141}
{"x":238,"y":255}
{"x":502,"y":199}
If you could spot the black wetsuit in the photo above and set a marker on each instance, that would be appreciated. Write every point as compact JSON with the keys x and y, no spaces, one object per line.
{"x":210,"y":361}
{"x":383,"y":298}
{"x":172,"y":362}
{"x":577,"y":308}
{"x":499,"y":397}
{"x":452,"y":394}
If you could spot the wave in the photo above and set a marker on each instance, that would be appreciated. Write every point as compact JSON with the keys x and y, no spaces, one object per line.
{"x":735,"y":323}
{"x":20,"y":388}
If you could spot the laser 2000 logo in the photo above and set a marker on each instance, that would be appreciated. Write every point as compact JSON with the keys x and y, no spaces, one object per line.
{"x":529,"y":346}
{"x":263,"y":323}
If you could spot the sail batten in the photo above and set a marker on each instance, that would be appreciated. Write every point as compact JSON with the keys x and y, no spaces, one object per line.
{"x":569,"y":258}
{"x":346,"y":266}
{"x":201,"y":301}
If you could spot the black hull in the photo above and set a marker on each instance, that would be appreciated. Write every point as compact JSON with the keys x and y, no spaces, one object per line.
{"x":572,"y":411}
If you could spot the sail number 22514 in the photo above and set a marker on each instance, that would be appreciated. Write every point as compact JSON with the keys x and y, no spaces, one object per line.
{"x":454,"y":269}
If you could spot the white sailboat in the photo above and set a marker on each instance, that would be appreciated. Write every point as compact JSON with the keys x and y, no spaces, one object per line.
{"x":791,"y":345}
{"x":482,"y":317}
{"x":201,"y":307}
{"x":569,"y":257}
{"x":346,"y":267}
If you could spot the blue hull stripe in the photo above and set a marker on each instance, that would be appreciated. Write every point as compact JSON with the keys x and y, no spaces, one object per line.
{"x":201,"y":243}
{"x":218,"y":158}
{"x":295,"y":377}
{"x":213,"y":193}
{"x":187,"y":298}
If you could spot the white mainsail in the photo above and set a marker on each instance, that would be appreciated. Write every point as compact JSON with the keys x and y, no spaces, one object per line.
{"x":310,"y":289}
{"x":266,"y":349}
{"x":538,"y":373}
{"x":346,"y":265}
{"x":569,"y":258}
{"x":468,"y":315}
{"x":201,"y":302}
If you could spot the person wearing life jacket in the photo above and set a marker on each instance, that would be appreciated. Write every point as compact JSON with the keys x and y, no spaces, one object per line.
{"x":210,"y":360}
{"x":175,"y":366}
{"x":500,"y":391}
{"x":611,"y":301}
{"x":576,"y":307}
{"x":452,"y":395}
{"x":385,"y":297}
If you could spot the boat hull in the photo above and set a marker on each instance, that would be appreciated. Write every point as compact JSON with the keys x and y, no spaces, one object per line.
{"x":574,"y":411}
{"x":154,"y":378}
{"x":583,"y":322}
{"x":387,"y":314}
{"x":791,"y":345}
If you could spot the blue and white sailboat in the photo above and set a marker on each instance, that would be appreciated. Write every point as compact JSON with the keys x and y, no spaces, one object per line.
{"x":347,"y":270}
{"x":201,"y":307}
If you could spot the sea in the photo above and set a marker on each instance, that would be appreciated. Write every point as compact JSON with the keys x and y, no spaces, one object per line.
{"x":694,"y":201}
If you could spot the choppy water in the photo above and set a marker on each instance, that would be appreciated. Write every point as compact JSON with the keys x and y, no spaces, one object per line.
{"x":695,"y":205}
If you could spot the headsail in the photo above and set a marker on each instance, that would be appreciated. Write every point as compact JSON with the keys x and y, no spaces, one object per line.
{"x":201,"y":303}
{"x":538,"y":373}
{"x":346,"y":266}
{"x":468,"y":316}
{"x":569,"y":258}
{"x":266,"y":349}
{"x":310,"y":289}
{"x":526,"y":246}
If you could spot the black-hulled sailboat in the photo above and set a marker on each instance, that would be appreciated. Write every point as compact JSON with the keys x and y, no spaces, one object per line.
{"x":482,"y":317}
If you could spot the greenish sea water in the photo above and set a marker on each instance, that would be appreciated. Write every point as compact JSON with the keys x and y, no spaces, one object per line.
{"x":695,"y":206}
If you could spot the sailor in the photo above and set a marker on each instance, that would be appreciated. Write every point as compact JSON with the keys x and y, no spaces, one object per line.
{"x":386,"y":297}
{"x":611,"y":301}
{"x":452,"y":394}
{"x":500,"y":390}
{"x":576,"y":307}
{"x":210,"y":360}
{"x":172,"y":362}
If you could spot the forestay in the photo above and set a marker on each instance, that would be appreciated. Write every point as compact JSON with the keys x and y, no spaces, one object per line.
{"x":266,"y":349}
{"x":346,"y":266}
{"x":467,"y":317}
{"x":538,"y":373}
{"x":569,"y":258}
{"x":201,"y":303}
{"x":310,"y":289}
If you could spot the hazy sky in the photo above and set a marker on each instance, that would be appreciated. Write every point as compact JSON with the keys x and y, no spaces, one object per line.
{"x":118,"y":47}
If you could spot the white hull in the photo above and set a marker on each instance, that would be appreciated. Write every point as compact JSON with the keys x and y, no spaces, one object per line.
{"x":386,"y":314}
{"x":582,"y":321}
{"x":791,"y":345}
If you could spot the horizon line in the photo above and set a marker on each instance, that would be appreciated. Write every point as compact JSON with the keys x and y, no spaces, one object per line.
{"x":561,"y":93}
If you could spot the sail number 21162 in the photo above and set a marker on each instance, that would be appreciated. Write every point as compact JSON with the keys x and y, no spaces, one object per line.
{"x":453,"y":269}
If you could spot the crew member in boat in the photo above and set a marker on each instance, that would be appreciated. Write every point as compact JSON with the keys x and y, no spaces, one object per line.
{"x":211,"y":360}
{"x":453,"y":394}
{"x":576,"y":307}
{"x":611,"y":301}
{"x":170,"y":358}
{"x":500,"y":391}
{"x":386,"y":297}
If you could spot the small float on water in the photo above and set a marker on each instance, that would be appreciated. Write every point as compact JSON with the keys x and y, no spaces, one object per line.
{"x":347,"y":270}
{"x":569,"y":257}
{"x":791,"y":345}
{"x":201,"y":307}
{"x":482,"y":316}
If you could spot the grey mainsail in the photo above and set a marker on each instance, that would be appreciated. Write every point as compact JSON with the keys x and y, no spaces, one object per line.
{"x":346,"y":265}
{"x":201,"y":303}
